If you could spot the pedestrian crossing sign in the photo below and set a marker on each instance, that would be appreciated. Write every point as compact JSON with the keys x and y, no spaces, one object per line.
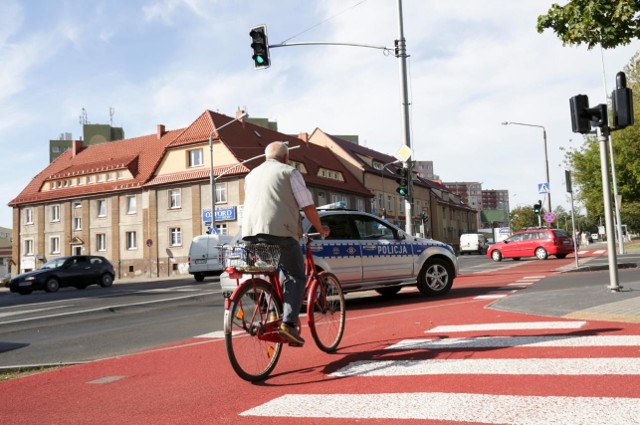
{"x":543,"y":188}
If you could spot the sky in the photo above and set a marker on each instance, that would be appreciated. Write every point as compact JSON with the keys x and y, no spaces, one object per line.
{"x":472,"y":65}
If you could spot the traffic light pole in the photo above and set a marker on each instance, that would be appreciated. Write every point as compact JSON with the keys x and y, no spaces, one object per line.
{"x":406,"y":130}
{"x":603,"y":135}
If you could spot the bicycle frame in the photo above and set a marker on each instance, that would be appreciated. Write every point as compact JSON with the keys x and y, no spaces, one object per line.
{"x":269,"y":330}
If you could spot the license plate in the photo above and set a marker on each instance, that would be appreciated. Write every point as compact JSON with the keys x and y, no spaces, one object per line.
{"x":201,"y":261}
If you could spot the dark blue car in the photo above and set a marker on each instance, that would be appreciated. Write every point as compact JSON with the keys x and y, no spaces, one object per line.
{"x":77,"y":271}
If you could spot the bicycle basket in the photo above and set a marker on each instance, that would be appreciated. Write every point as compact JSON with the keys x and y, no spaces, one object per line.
{"x":252,"y":258}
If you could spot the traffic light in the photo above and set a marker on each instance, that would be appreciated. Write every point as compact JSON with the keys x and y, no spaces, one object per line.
{"x":622,"y":103}
{"x":403,"y":182}
{"x":537,"y":207}
{"x":260,"y":46}
{"x":580,"y":121}
{"x":583,"y":117}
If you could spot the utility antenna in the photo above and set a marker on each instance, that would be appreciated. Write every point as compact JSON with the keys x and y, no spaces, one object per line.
{"x":112,"y":112}
{"x":83,"y":117}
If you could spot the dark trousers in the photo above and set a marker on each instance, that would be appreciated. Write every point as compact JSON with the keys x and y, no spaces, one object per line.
{"x":294,"y":280}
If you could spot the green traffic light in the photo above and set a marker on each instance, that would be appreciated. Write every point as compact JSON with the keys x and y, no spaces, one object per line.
{"x":260,"y":59}
{"x":403,"y":191}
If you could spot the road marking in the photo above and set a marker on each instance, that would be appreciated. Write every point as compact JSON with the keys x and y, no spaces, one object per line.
{"x":490,"y":297}
{"x":36,"y":310}
{"x":582,"y":367}
{"x":507,"y":326}
{"x":519,"y":341}
{"x":492,"y":409}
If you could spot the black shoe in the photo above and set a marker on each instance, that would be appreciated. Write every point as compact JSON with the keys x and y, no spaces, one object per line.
{"x":292,"y":335}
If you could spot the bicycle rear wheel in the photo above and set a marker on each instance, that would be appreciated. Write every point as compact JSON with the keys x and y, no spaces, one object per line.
{"x":326,"y":311}
{"x":253,"y":343}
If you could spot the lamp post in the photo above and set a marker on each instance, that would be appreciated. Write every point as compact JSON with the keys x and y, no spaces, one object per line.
{"x":211,"y":179}
{"x":384,"y":210}
{"x":546,"y":155}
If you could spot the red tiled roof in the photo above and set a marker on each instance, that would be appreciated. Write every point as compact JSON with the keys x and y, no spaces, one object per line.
{"x":148,"y":150}
{"x":244,"y":140}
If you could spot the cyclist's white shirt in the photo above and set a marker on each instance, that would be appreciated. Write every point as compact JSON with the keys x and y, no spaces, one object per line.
{"x":300,"y":191}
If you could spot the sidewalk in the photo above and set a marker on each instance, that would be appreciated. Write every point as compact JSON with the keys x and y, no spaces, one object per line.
{"x":583,"y":293}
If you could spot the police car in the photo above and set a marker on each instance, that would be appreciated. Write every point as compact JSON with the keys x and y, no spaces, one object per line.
{"x":368,"y":253}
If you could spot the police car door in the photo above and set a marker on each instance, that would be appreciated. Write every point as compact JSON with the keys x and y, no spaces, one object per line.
{"x":384,"y":256}
{"x":340,"y":250}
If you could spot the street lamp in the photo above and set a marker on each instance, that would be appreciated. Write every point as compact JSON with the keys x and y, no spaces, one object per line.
{"x":384,"y":210}
{"x":546,"y":156}
{"x":211,"y":179}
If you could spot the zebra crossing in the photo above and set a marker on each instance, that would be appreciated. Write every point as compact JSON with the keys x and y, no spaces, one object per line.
{"x":535,"y":354}
{"x":510,"y":288}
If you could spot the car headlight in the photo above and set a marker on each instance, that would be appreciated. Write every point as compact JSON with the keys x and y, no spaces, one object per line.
{"x":30,"y":278}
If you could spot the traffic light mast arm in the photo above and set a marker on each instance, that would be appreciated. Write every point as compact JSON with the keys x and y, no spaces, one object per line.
{"x":323,"y":43}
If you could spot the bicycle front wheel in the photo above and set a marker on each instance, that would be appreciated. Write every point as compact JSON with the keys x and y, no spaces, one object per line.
{"x":326,"y":311}
{"x":253,"y":343}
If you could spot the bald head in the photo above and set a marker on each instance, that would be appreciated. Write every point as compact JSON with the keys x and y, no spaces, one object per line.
{"x":277,"y":150}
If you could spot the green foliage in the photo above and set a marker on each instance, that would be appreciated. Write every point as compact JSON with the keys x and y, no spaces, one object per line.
{"x":522,"y":217}
{"x":609,"y":23}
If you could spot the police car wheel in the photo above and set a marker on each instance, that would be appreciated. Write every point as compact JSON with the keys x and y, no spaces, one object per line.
{"x":199,"y":277}
{"x":436,"y":277}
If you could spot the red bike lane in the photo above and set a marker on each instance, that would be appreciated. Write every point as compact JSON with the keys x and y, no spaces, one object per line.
{"x":372,"y":378}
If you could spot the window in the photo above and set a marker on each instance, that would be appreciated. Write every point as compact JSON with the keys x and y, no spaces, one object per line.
{"x":89,"y":179}
{"x":102,"y":208}
{"x":80,"y":181}
{"x":195,"y":158}
{"x":77,"y":204}
{"x":222,"y":229}
{"x":175,"y":198}
{"x":55,"y":213}
{"x":130,"y":240}
{"x":77,"y":223}
{"x":221,"y":193}
{"x":119,"y":175}
{"x":176,"y":236}
{"x":132,"y":207}
{"x":360,"y":204}
{"x":28,"y":216}
{"x":101,"y":241}
{"x":100,"y":178}
{"x":54,"y":244}
{"x":109,"y":177}
{"x":28,"y":247}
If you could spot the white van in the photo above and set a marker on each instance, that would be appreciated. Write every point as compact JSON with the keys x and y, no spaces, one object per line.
{"x":205,"y":258}
{"x":473,"y":242}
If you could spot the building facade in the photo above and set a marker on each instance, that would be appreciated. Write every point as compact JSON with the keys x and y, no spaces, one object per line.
{"x":139,"y":202}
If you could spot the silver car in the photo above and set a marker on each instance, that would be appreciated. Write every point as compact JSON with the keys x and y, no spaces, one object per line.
{"x":366,"y":252}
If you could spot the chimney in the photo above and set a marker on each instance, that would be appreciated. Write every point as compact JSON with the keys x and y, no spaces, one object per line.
{"x":304,"y":137}
{"x":76,"y":147}
{"x":160,"y":131}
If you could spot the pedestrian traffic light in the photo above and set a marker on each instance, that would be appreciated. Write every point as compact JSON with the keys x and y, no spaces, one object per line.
{"x":403,"y":182}
{"x":622,"y":103}
{"x":260,"y":46}
{"x":537,"y":207}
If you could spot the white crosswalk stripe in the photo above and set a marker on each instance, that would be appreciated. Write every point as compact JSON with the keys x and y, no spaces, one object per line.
{"x":477,"y":407}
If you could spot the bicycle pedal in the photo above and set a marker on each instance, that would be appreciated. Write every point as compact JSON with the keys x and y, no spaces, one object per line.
{"x":295,"y":344}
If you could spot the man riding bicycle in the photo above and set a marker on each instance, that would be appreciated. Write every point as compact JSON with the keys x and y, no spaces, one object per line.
{"x":274,"y":194}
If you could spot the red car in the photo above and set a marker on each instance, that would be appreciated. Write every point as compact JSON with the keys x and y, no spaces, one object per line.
{"x":539,"y":243}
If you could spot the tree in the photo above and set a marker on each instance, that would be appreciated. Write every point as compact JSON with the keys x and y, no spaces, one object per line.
{"x":521,"y":218}
{"x":609,"y":23}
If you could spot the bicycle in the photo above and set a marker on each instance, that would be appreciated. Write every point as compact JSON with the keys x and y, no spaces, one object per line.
{"x":253,"y":312}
